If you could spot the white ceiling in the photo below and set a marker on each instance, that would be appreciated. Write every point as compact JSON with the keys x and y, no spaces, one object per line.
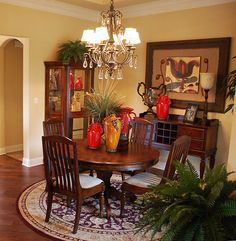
{"x":90,"y":9}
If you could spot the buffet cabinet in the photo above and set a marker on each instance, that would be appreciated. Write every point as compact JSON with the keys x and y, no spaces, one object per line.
{"x":65,"y":87}
{"x":204,"y":137}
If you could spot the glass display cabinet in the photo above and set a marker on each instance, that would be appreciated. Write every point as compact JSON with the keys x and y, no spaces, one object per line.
{"x":65,"y":88}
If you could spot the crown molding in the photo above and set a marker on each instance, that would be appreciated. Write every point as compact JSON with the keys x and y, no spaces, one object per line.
{"x":164,"y":6}
{"x":154,"y":7}
{"x":54,"y":6}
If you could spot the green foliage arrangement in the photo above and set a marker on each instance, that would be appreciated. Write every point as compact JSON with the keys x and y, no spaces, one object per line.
{"x":103,"y":102}
{"x":190,"y":208}
{"x":231,"y":83}
{"x":71,"y":51}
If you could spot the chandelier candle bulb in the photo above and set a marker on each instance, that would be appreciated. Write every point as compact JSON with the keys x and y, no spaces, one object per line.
{"x":111,"y":45}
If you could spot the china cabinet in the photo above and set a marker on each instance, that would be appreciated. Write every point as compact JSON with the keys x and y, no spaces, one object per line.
{"x":65,"y":88}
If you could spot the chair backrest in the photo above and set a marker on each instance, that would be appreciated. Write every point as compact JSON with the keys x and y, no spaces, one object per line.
{"x":61,"y":164}
{"x":178,"y":152}
{"x":53,"y":126}
{"x":141,"y":131}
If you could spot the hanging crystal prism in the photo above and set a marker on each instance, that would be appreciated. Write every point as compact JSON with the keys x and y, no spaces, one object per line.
{"x":91,"y":64}
{"x":119,"y":73}
{"x":106,"y":74}
{"x":131,"y":62}
{"x":135,"y":62}
{"x":100,"y":73}
{"x":85,"y":64}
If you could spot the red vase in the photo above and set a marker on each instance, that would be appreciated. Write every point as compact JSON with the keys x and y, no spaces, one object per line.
{"x":94,"y":135}
{"x":163,"y":105}
{"x":79,"y":84}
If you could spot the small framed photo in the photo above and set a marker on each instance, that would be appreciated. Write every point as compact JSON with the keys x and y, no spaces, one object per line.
{"x":190,"y":113}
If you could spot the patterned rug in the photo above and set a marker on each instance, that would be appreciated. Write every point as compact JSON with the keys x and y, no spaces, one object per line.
{"x":32,"y":208}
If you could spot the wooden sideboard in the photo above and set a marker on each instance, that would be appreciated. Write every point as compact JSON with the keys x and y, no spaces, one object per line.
{"x":204,"y":138}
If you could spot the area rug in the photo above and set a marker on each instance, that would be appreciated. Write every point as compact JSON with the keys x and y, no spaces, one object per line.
{"x":32,"y":207}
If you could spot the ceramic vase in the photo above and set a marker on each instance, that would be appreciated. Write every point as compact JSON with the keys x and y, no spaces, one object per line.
{"x":112,"y":130}
{"x":163,"y":105}
{"x":94,"y":135}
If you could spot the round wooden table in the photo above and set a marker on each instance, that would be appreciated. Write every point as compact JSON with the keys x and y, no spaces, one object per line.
{"x":137,"y":157}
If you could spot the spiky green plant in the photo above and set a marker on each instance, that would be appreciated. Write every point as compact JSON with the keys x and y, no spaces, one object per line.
{"x":71,"y":51}
{"x":103,"y":102}
{"x":190,"y":208}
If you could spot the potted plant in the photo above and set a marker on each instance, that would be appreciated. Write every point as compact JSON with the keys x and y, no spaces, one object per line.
{"x":231,"y":83}
{"x":190,"y":208}
{"x":71,"y":51}
{"x":103,"y":102}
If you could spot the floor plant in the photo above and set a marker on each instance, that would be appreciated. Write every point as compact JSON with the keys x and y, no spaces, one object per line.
{"x":190,"y":208}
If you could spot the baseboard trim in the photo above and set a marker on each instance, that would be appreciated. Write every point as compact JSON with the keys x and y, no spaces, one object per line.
{"x":14,"y":148}
{"x":32,"y":162}
{"x":3,"y":151}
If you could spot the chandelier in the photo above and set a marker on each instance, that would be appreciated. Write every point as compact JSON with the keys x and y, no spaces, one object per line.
{"x":110,"y":46}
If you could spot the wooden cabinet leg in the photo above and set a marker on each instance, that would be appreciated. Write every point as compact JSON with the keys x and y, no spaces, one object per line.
{"x":202,"y":167}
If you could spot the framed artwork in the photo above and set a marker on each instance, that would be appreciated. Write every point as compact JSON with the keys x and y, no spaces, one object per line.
{"x":190,"y":113}
{"x":177,"y":65}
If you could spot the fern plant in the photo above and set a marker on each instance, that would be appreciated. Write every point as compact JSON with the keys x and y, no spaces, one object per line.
{"x":71,"y":51}
{"x":190,"y":208}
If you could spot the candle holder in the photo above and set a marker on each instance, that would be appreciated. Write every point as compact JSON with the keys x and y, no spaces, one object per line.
{"x":206,"y":81}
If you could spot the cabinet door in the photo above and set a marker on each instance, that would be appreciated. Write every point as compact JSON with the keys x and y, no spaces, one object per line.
{"x":77,"y":89}
{"x":54,"y":91}
{"x":80,"y":81}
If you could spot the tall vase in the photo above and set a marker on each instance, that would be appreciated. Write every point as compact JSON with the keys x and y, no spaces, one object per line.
{"x":126,"y":115}
{"x":94,"y":135}
{"x":163,"y":105}
{"x":112,"y":130}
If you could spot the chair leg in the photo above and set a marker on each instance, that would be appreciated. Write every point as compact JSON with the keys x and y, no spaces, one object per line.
{"x":122,"y":203}
{"x":91,"y":173}
{"x":77,"y":215}
{"x":49,"y":206}
{"x":101,"y":204}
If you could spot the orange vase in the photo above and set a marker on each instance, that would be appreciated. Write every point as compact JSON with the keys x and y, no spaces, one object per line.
{"x":112,"y":130}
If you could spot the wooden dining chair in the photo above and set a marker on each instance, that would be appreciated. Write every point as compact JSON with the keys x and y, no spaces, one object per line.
{"x":141,"y":133}
{"x":53,"y":126}
{"x":140,"y":183}
{"x":60,"y":153}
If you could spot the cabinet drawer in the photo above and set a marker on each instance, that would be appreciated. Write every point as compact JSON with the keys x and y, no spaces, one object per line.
{"x":197,"y":145}
{"x":193,"y":132}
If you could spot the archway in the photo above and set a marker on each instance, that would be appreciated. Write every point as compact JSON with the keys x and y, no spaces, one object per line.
{"x":4,"y":40}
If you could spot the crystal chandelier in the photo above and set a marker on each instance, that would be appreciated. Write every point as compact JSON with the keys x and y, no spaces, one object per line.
{"x":110,"y":46}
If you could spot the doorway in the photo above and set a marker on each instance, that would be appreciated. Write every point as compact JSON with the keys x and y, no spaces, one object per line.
{"x":9,"y":145}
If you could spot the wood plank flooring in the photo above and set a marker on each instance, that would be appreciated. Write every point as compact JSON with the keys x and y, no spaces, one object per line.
{"x":14,"y":178}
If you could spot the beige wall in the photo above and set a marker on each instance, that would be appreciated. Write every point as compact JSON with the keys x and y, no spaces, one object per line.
{"x":45,"y":31}
{"x":210,"y":22}
{"x":13,"y":94}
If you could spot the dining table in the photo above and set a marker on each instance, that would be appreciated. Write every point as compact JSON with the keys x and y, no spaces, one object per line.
{"x":137,"y":157}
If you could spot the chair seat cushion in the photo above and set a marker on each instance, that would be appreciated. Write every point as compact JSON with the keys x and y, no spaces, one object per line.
{"x":143,"y":179}
{"x":87,"y":181}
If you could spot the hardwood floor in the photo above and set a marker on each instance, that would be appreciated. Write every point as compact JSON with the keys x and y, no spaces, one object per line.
{"x":14,"y":178}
